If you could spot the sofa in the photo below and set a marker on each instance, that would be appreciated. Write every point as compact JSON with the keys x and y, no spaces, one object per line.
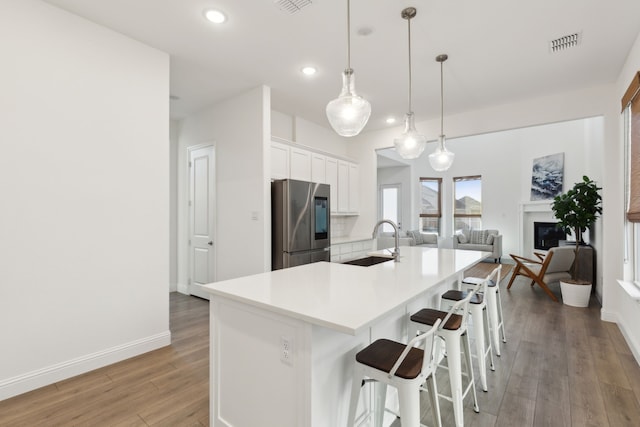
{"x":410,"y":238}
{"x":480,"y":240}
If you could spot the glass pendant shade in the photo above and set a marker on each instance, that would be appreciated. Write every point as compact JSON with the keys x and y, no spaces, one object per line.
{"x":349,"y":112}
{"x":411,"y":143}
{"x":441,"y":159}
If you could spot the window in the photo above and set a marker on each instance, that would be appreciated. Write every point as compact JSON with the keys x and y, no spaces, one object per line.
{"x":467,"y":195}
{"x":430,"y":205}
{"x":390,"y":205}
{"x":631,"y":115}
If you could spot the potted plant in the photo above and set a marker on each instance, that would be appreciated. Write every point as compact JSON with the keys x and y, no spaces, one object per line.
{"x":577,"y":210}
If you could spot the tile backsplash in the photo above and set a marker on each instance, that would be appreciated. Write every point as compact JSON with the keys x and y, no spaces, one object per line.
{"x":341,"y":226}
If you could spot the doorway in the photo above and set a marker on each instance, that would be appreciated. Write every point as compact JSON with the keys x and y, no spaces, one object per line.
{"x":202,"y":215}
{"x":390,"y":198}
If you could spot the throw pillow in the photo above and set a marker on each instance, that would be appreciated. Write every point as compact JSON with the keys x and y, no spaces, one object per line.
{"x":416,"y":236}
{"x":478,"y":237}
{"x":490,"y":239}
{"x":462,"y":238}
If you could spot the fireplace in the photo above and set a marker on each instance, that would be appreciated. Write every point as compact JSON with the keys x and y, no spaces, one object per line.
{"x":546,"y":235}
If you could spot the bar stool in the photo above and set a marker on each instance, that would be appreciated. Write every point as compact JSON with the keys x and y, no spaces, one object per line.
{"x":405,"y":367}
{"x":494,"y":305}
{"x":480,"y":320}
{"x":454,"y":333}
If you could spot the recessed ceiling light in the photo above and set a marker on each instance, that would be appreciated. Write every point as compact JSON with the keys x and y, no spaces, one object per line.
{"x":309,"y":71}
{"x":215,"y":16}
{"x":390,"y":120}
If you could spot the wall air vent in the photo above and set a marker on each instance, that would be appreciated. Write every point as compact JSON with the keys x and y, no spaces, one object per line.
{"x":291,"y":6}
{"x":562,"y":43}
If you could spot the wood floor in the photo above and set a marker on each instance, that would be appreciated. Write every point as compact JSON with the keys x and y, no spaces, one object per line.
{"x":166,"y":387}
{"x":561,"y":366}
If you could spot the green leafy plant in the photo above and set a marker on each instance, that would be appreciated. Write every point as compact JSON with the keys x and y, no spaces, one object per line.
{"x":577,"y":210}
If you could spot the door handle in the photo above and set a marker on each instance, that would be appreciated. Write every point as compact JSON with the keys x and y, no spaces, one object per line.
{"x":210,"y":243}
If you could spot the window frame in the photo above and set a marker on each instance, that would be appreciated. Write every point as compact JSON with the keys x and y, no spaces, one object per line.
{"x":434,"y":215}
{"x":456,"y":179}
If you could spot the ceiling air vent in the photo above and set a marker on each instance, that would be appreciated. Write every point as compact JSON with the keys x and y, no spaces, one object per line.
{"x":291,"y":6}
{"x":562,"y":43}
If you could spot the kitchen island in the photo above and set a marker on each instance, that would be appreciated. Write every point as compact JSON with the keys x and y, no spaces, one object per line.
{"x":283,"y":342}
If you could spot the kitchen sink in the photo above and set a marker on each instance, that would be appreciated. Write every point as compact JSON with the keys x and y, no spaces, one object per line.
{"x":368,"y":261}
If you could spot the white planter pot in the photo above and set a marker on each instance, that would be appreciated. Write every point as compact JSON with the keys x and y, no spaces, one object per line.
{"x":575,"y":295}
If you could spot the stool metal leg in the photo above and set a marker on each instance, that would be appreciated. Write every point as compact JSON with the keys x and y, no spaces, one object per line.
{"x":455,"y":378}
{"x":478,"y":335}
{"x":467,"y":354}
{"x":379,"y":402}
{"x":355,"y":395}
{"x":432,"y":387}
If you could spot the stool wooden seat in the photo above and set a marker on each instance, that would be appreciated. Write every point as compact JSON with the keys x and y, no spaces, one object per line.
{"x":383,"y":354}
{"x":429,"y":316}
{"x":405,"y":367}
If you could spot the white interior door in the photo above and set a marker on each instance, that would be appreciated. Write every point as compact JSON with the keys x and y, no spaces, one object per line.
{"x":201,"y":219}
{"x":390,"y":200}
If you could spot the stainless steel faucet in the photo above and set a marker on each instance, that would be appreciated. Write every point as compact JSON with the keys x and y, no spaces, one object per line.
{"x":396,"y":251}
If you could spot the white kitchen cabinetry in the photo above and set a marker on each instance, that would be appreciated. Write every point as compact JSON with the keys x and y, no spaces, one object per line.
{"x":343,"y":186}
{"x":354,"y":183}
{"x":300,"y":161}
{"x":279,"y":160}
{"x":318,"y":168}
{"x":332,"y":180}
{"x":291,"y":161}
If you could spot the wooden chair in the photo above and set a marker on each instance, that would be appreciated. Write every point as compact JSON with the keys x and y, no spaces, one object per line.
{"x":550,"y":267}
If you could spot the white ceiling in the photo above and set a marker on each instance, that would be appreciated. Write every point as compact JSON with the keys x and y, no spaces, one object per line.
{"x":498,"y":50}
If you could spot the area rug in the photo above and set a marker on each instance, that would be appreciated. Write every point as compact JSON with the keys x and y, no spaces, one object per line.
{"x":482,"y":269}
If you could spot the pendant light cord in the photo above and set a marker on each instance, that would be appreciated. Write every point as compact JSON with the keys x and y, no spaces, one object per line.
{"x":441,"y":101}
{"x":409,"y":44}
{"x":348,"y":34}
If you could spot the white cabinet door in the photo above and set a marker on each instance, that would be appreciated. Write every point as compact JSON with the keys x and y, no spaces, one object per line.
{"x":332,"y":179}
{"x":354,"y":190}
{"x":318,"y":168}
{"x":343,"y":186}
{"x":300,"y":164}
{"x":279,"y":160}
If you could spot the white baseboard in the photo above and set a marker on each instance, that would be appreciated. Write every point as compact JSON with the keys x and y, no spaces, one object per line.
{"x":608,"y":316}
{"x":633,"y":345}
{"x":183,"y":289}
{"x":61,"y":371}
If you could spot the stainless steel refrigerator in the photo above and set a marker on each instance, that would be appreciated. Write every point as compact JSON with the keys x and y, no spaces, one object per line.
{"x":300,"y":217}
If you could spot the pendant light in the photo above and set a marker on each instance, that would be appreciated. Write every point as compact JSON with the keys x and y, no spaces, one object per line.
{"x":349,"y":112}
{"x":411,"y":143}
{"x":441,"y":159}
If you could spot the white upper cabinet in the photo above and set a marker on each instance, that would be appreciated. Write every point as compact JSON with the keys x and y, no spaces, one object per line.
{"x":332,"y":179}
{"x":300,"y":163}
{"x":354,"y":187}
{"x":279,"y":160}
{"x":318,"y":168}
{"x":289,"y":161}
{"x":343,"y":186}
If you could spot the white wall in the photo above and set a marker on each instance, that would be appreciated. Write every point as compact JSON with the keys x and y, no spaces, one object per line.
{"x":84,"y":172}
{"x":504,"y":160}
{"x":590,"y":102}
{"x":173,"y":204}
{"x":240,"y":130}
{"x":617,"y":306}
{"x":304,"y":132}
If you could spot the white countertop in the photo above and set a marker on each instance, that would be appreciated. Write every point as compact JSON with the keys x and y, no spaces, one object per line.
{"x":347,"y":298}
